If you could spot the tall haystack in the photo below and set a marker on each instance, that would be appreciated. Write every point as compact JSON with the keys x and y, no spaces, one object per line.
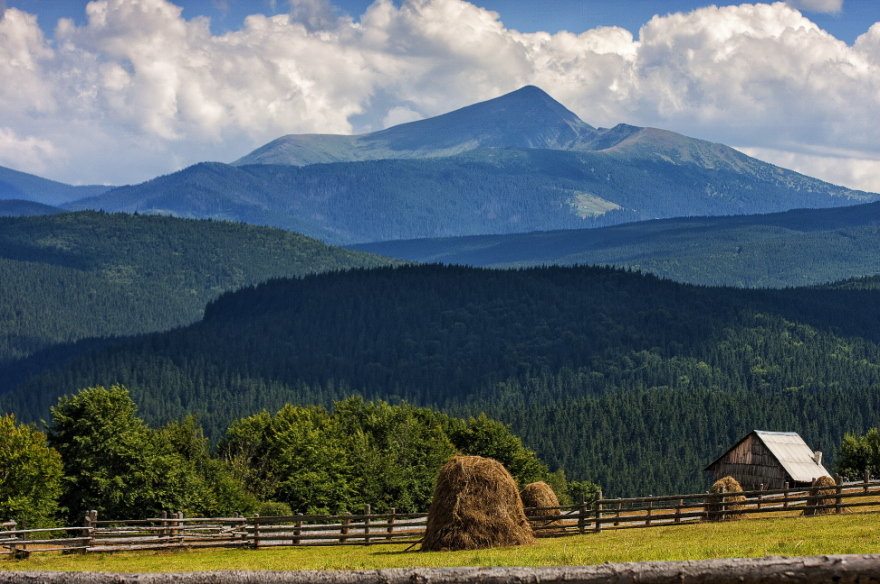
{"x":476,"y":505}
{"x":723,"y":503}
{"x":536,"y":496}
{"x":823,"y":495}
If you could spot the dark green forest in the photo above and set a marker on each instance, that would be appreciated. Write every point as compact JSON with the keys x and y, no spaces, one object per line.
{"x":627,"y":380}
{"x":76,"y":275}
{"x":794,"y":248}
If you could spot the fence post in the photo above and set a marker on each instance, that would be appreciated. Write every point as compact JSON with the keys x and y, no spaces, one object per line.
{"x":617,"y":514}
{"x":867,"y":480}
{"x":181,"y":532}
{"x":367,"y":511}
{"x":90,"y":523}
{"x":164,"y":532}
{"x":598,"y":506}
{"x":390,"y":529}
{"x":650,"y":508}
{"x":298,"y":531}
{"x":678,"y":507}
{"x":243,"y":525}
{"x":343,"y":532}
{"x":785,"y":495}
{"x":760,"y":495}
{"x":256,"y":531}
{"x":582,"y":515}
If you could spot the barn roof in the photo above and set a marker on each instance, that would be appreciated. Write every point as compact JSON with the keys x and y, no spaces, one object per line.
{"x":791,"y":451}
{"x":793,"y":454}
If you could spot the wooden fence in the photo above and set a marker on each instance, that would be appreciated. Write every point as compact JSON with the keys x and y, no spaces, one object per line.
{"x":176,"y":531}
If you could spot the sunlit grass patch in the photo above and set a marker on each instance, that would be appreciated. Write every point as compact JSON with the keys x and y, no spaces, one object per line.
{"x":790,"y":536}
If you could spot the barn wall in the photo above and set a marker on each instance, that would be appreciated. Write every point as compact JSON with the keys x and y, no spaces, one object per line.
{"x":752,"y":464}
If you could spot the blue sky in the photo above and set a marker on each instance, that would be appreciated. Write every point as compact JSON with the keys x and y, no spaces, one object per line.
{"x":124,"y":90}
{"x":852,"y":20}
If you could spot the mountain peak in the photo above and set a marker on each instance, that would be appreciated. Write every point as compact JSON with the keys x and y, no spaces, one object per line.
{"x":525,"y":118}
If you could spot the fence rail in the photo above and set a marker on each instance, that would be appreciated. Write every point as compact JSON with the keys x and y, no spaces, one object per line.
{"x":173,"y":530}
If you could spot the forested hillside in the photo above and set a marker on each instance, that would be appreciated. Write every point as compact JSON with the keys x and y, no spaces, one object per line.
{"x":623,"y":379}
{"x":794,"y":248}
{"x":75,"y":275}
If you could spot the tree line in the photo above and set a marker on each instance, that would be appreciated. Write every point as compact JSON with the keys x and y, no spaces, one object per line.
{"x":97,"y":453}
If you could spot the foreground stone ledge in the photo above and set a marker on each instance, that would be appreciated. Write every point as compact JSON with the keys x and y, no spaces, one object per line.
{"x":843,"y":569}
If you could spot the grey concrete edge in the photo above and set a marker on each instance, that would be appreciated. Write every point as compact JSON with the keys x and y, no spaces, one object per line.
{"x":837,"y":568}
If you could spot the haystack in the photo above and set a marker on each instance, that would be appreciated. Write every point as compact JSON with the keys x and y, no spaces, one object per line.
{"x":723,"y":503}
{"x":823,"y":493}
{"x":476,"y":505}
{"x":536,"y":496}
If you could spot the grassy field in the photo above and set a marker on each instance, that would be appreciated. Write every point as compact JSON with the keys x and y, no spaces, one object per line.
{"x":839,"y":534}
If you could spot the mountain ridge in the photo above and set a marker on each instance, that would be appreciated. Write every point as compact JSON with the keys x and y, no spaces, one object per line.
{"x":18,"y":185}
{"x":517,"y":163}
{"x":525,"y":118}
{"x":792,"y":248}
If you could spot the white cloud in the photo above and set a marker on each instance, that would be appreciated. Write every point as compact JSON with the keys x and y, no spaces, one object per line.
{"x":138,"y":90}
{"x":29,"y":154}
{"x":838,"y":168}
{"x":830,"y":6}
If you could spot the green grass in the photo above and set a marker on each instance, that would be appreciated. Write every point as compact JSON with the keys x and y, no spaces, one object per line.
{"x":842,"y":534}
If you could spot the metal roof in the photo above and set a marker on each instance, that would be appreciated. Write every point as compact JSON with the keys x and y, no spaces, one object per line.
{"x":793,"y":454}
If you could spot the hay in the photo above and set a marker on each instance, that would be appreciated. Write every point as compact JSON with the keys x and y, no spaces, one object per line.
{"x":823,"y":492}
{"x":722,"y":503}
{"x":535,"y":496}
{"x":476,"y":505}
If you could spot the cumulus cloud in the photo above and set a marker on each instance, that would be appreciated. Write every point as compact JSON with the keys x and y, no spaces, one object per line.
{"x":138,"y":90}
{"x":25,"y":151}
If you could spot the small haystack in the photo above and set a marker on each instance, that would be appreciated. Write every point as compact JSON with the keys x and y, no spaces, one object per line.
{"x":476,"y":505}
{"x":535,"y":496}
{"x":723,"y":504}
{"x":823,"y":495}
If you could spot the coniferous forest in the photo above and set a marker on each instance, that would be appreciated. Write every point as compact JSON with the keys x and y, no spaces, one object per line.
{"x":72,"y":276}
{"x":623,"y":379}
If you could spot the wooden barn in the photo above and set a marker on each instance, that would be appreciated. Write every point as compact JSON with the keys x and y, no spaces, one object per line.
{"x":770,"y":459}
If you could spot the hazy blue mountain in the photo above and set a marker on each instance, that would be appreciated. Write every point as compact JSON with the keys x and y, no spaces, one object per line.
{"x":29,"y":187}
{"x":20,"y":208}
{"x":526,"y":118}
{"x":792,"y":248}
{"x":518,"y":163}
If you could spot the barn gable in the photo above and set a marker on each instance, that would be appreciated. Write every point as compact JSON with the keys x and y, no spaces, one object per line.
{"x":770,"y":459}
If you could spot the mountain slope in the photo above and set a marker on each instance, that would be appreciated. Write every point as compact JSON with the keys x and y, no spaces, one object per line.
{"x":29,"y":187}
{"x":20,"y":208}
{"x":621,"y":378}
{"x":74,"y":275}
{"x":526,"y":118}
{"x":794,"y":248}
{"x":488,"y":191}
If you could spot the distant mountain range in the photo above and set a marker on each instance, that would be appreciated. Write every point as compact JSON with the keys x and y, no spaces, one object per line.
{"x":20,"y":208}
{"x":792,"y":248}
{"x":521,"y":162}
{"x":28,"y":187}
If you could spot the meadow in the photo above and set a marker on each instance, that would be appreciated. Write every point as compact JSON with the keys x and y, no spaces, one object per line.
{"x":789,"y":536}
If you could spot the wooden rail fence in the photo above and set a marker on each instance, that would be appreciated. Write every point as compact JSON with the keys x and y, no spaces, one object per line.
{"x":173,"y":530}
